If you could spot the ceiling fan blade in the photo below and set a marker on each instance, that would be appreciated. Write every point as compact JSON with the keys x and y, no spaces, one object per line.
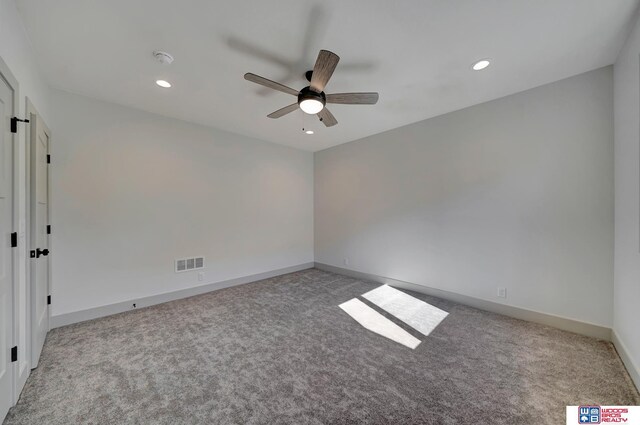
{"x":353,"y":98}
{"x":268,"y":83}
{"x":283,"y":111}
{"x":323,"y":69}
{"x":327,"y":118}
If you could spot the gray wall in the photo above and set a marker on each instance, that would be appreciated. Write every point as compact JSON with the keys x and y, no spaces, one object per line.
{"x":514,"y":193}
{"x":133,"y":191}
{"x":626,"y":302}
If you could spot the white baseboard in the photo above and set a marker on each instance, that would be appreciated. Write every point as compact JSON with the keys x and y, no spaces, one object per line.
{"x":583,"y":328}
{"x":623,"y":352}
{"x":120,"y":307}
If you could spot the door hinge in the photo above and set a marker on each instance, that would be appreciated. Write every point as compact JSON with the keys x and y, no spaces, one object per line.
{"x":14,"y":124}
{"x":48,"y":159}
{"x":14,"y":354}
{"x":32,"y":253}
{"x":48,"y":299}
{"x":48,"y":229}
{"x":14,"y":239}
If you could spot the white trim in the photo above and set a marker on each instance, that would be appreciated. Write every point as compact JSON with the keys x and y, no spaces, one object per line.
{"x":623,"y":352}
{"x":571,"y":325}
{"x":120,"y":307}
{"x":29,"y":108}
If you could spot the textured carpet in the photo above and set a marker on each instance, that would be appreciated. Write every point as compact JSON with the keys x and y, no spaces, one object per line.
{"x":280,"y":351}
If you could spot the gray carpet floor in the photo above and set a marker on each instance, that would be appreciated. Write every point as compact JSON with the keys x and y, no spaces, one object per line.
{"x":280,"y":351}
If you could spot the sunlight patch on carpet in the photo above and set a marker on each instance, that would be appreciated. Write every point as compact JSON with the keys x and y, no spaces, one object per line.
{"x":418,"y":314}
{"x":376,"y":322}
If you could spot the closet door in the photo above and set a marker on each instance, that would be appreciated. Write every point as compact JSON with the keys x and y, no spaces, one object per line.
{"x":6,"y":249}
{"x":39,"y":236}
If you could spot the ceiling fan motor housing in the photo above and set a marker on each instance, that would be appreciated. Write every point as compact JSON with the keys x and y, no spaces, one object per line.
{"x":308,"y":94}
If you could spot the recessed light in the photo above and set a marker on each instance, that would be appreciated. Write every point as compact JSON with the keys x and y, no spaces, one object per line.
{"x":163,"y":83}
{"x":481,"y":64}
{"x":309,"y":131}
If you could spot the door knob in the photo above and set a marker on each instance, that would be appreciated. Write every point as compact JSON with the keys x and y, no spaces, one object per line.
{"x":40,"y":252}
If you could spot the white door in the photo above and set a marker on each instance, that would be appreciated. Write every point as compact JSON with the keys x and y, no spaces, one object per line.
{"x":39,"y":237}
{"x":6,"y":250}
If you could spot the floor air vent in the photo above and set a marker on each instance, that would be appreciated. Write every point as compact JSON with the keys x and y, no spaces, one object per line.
{"x":186,"y":264}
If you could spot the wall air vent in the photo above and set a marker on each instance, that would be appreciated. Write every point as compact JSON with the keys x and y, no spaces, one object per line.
{"x":186,"y":264}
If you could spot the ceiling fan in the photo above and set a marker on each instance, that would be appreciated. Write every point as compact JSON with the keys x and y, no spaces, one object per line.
{"x":312,"y":99}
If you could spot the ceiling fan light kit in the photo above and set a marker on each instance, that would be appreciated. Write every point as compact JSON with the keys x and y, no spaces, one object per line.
{"x":311,"y":102}
{"x":312,"y":99}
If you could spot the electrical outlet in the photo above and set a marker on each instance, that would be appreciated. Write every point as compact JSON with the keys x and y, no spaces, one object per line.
{"x":200,"y":276}
{"x":502,"y":292}
{"x":346,"y":261}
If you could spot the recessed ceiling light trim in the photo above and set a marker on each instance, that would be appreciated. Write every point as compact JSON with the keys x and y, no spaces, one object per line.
{"x":481,"y":64}
{"x":163,"y":83}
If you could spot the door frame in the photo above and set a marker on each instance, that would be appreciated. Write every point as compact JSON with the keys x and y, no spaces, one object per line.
{"x":15,"y":252}
{"x":32,"y":114}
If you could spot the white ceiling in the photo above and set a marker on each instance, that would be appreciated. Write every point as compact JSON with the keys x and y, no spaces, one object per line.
{"x":416,"y":53}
